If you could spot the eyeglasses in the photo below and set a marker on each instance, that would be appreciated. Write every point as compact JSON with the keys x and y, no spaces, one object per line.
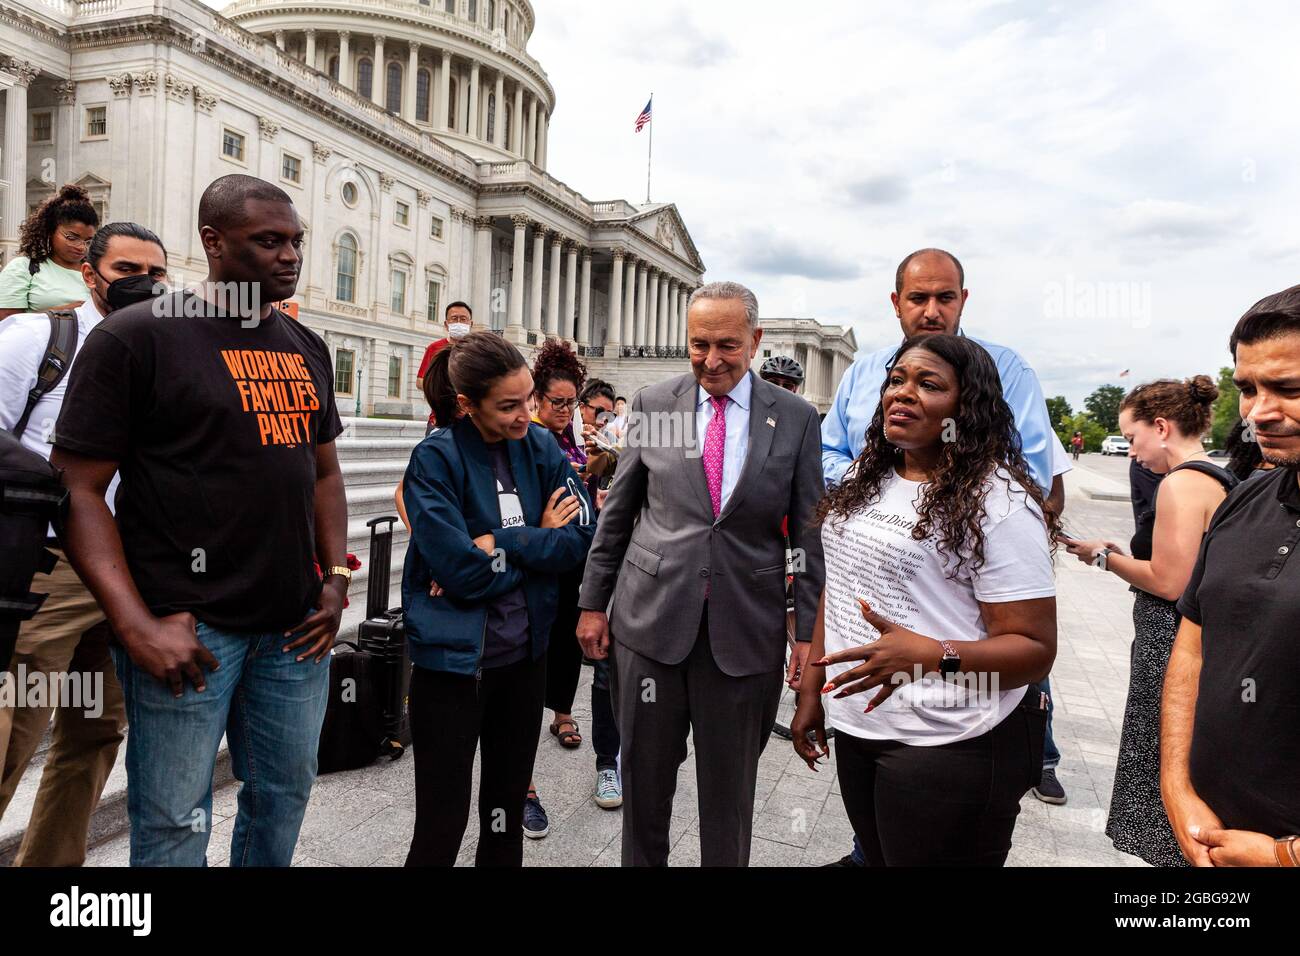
{"x":560,"y":404}
{"x":726,"y":348}
{"x":72,"y":240}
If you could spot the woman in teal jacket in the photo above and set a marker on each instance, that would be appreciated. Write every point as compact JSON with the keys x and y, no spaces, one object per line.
{"x":496,"y":516}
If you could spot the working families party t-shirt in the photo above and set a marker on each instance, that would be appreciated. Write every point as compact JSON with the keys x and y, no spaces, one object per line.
{"x":872,"y":554}
{"x":215,"y":426}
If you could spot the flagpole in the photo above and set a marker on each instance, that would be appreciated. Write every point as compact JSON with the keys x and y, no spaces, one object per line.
{"x":650,"y":149}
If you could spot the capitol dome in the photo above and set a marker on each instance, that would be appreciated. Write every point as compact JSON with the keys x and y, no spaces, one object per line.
{"x":459,"y":68}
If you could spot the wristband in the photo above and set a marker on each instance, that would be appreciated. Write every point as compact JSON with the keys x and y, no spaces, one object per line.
{"x":1284,"y":851}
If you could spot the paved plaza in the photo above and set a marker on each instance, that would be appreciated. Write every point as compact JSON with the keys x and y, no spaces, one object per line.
{"x":365,"y":818}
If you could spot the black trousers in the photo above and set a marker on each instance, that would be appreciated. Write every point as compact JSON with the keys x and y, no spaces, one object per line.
{"x":451,"y":715}
{"x":951,"y":805}
{"x":564,"y":654}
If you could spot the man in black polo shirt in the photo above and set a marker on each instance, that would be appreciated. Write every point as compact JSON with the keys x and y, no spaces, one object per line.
{"x":219,"y":412}
{"x":1230,"y":733}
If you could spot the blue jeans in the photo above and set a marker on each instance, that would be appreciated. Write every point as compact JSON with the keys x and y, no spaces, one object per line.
{"x":269,"y":706}
{"x":1051,"y":756}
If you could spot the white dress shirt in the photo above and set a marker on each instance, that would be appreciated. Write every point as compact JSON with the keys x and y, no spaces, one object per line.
{"x":736,"y":448}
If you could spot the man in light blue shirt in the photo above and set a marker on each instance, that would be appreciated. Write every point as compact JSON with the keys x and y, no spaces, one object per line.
{"x":929,"y":297}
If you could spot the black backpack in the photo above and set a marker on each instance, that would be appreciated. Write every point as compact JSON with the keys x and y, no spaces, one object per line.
{"x":32,"y":495}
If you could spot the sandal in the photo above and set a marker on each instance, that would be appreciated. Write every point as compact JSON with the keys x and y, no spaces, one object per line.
{"x":569,"y":739}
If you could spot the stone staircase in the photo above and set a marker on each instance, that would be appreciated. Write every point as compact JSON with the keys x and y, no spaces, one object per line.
{"x":373,"y":454}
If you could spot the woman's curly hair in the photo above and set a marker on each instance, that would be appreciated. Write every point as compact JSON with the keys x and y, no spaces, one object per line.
{"x":556,"y":361}
{"x":952,"y":504}
{"x":36,"y":238}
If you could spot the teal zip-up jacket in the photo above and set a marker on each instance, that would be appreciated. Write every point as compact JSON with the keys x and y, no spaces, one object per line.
{"x":450,"y":494}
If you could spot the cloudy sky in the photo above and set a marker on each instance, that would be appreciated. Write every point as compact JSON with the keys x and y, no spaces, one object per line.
{"x":1118,"y":179}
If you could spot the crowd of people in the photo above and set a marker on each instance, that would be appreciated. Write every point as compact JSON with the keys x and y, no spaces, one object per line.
{"x":892,"y":564}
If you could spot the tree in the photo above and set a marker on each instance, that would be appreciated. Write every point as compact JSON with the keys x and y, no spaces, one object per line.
{"x":1093,"y":433}
{"x":1059,"y":411}
{"x":1227,"y":409}
{"x":1103,"y":406}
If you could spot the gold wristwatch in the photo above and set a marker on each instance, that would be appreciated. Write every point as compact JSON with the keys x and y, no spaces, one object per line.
{"x":344,"y":573}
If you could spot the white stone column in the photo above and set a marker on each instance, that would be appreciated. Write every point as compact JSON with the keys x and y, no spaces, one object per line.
{"x":530,"y":138}
{"x":15,"y":148}
{"x":568,"y":321}
{"x":663,"y":337}
{"x":584,"y":301}
{"x":517,"y":121}
{"x":279,"y":39}
{"x":412,"y":70}
{"x":535,"y":303}
{"x":515,"y":321}
{"x":629,"y":303}
{"x":471,"y":121}
{"x":482,"y":303}
{"x":378,"y":73}
{"x":444,"y":92}
{"x":553,"y":291}
{"x":309,"y":57}
{"x":345,"y":59}
{"x":499,"y":119}
{"x":642,"y":278}
{"x":652,"y":309}
{"x":545,"y":122}
{"x":674,"y":313}
{"x":614,"y":328}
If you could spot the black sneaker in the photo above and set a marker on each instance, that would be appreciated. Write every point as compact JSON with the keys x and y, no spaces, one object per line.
{"x":1049,"y":789}
{"x":846,"y":860}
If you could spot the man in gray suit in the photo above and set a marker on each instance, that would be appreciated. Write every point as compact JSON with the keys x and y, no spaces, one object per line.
{"x":689,"y":565}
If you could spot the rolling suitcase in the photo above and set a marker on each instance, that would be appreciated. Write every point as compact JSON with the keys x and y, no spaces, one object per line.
{"x":383,"y":636}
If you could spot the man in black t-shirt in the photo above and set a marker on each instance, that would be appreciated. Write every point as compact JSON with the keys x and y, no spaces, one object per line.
{"x":218,"y":411}
{"x":1229,"y":748}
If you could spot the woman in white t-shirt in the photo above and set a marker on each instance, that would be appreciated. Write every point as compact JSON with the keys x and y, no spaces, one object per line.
{"x":940,"y":601}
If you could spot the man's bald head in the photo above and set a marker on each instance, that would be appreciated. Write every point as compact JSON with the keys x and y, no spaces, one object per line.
{"x":224,"y":203}
{"x":920,"y":253}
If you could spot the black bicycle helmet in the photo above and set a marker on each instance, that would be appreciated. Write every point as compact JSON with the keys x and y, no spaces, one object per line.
{"x":782,"y":366}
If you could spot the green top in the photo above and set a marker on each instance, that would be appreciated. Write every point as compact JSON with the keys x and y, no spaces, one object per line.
{"x":52,"y":286}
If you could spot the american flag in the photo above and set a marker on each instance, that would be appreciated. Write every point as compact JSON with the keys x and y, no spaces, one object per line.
{"x":644,"y":118}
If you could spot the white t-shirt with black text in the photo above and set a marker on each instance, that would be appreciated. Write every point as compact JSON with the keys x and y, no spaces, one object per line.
{"x":872,"y":554}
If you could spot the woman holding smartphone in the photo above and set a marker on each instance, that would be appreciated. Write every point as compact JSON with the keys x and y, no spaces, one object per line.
{"x":939,"y":611}
{"x":1162,"y":422}
{"x":496,"y":516}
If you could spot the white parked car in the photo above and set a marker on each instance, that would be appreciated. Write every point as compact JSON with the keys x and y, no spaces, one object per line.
{"x":1114,"y":445}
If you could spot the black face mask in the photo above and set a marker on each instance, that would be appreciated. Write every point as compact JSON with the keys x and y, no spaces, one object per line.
{"x":131,"y":289}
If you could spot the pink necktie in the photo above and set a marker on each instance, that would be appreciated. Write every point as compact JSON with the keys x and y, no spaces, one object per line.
{"x":715,"y":442}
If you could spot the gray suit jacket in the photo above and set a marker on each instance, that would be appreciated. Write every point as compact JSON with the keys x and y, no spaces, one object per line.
{"x":658,"y":547}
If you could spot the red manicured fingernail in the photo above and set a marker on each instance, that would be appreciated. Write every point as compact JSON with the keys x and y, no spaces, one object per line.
{"x":828,"y":688}
{"x":870,"y":708}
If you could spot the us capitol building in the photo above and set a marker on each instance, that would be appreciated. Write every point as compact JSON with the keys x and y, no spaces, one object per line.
{"x":412,"y":136}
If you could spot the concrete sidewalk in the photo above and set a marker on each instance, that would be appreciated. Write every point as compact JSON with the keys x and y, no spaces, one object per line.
{"x":365,"y":818}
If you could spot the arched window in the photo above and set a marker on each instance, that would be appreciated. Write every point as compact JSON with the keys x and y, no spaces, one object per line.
{"x":453,"y":98}
{"x":473,"y":11}
{"x":492,"y":14}
{"x":422,"y":95}
{"x":334,"y":68}
{"x":491,"y":118}
{"x":346,"y":286}
{"x":365,"y":77}
{"x":450,"y":6}
{"x":393,"y":94}
{"x":506,"y":138}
